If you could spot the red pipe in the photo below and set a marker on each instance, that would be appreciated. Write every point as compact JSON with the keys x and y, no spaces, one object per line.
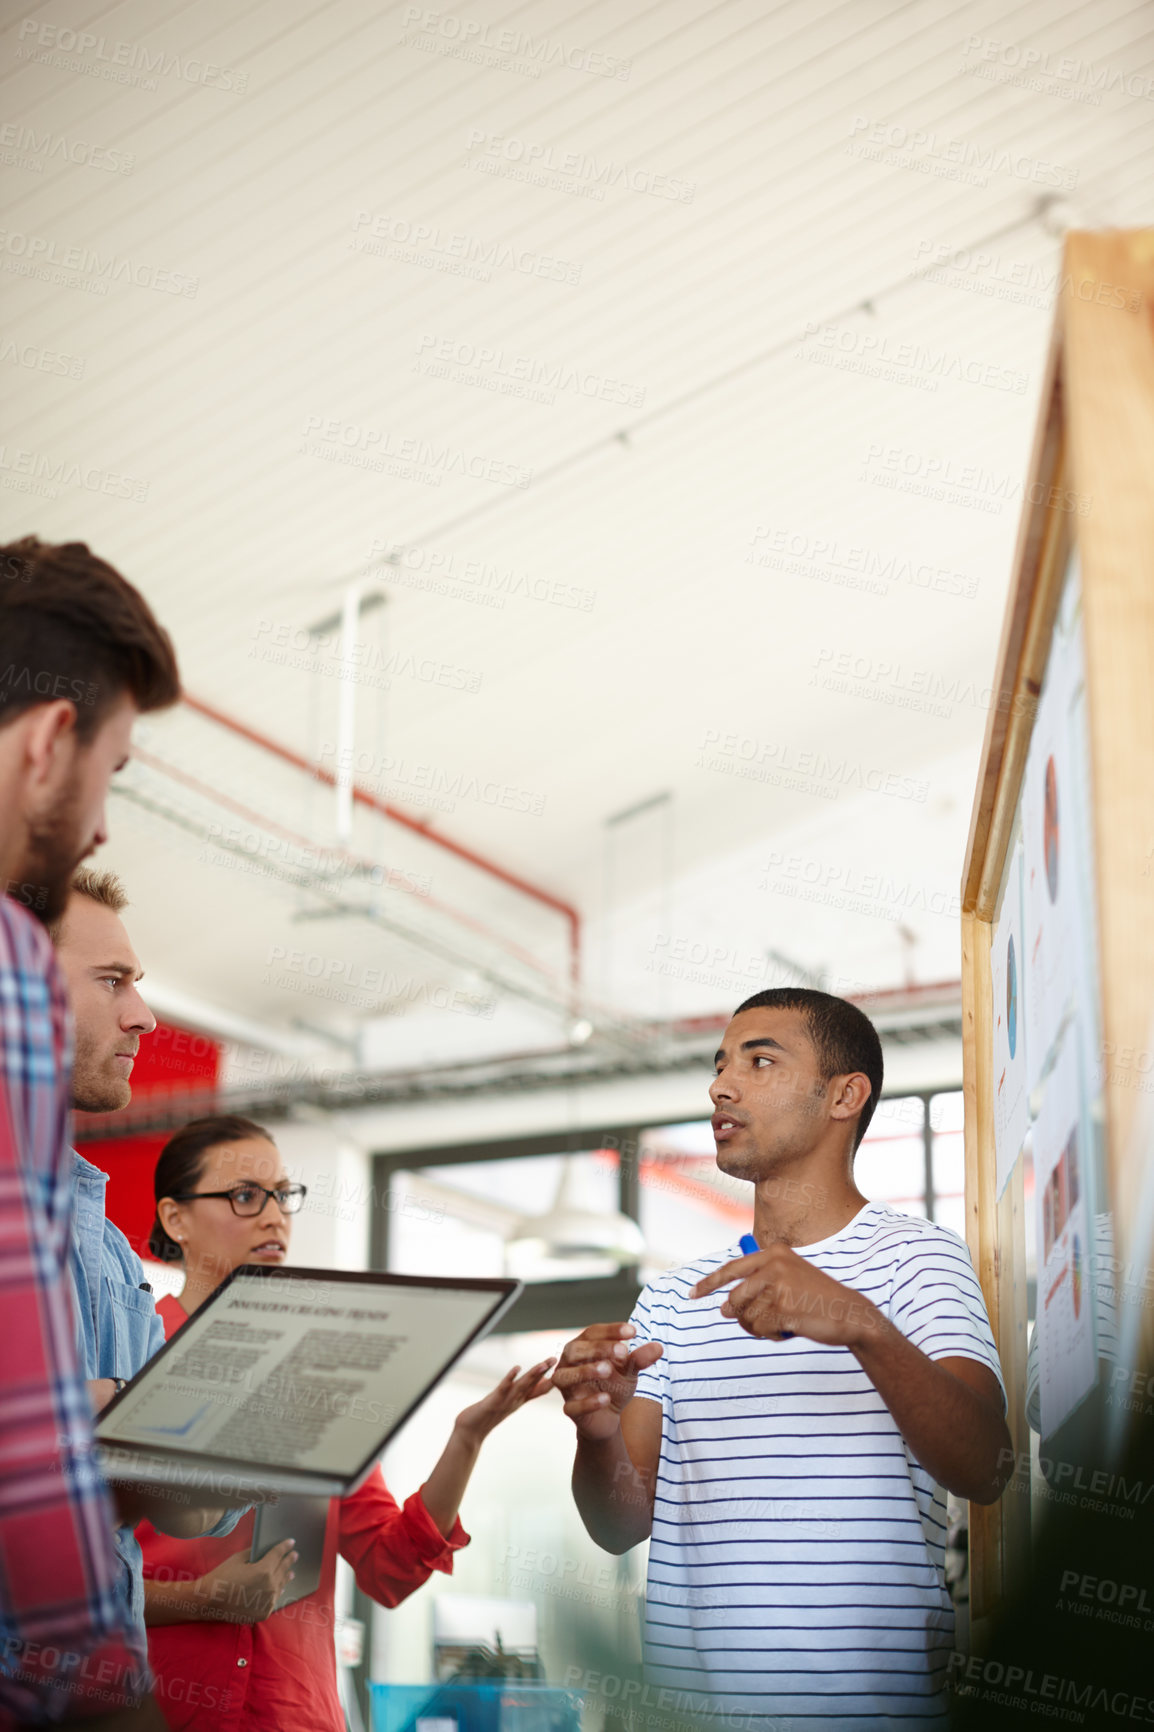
{"x":399,"y":816}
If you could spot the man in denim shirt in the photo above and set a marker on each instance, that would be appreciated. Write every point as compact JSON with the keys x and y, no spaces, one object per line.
{"x":117,"y":1326}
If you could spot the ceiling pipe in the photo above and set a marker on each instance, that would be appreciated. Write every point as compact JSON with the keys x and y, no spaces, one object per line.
{"x":558,"y":1069}
{"x":347,"y":703}
{"x":397,"y":815}
{"x":305,"y":843}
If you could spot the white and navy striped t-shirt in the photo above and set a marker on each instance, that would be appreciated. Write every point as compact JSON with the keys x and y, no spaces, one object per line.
{"x":796,"y":1562}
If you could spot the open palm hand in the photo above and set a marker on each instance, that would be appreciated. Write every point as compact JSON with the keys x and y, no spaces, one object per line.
{"x":512,"y":1392}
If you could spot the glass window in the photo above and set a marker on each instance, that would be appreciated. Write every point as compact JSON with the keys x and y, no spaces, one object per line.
{"x":461,"y":1218}
{"x":949,"y":1161}
{"x":430,"y":1233}
{"x":891,"y":1163}
{"x":688,"y":1207}
{"x":528,"y":1542}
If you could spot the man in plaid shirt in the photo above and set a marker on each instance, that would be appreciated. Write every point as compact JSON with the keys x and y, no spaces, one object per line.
{"x":82,"y":657}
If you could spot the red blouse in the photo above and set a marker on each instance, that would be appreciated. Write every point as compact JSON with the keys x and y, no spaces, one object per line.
{"x":220,"y":1677}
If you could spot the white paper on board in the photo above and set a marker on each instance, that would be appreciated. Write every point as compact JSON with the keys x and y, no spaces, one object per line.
{"x":1011,"y":1088}
{"x":1050,"y":899}
{"x":1081,"y":807}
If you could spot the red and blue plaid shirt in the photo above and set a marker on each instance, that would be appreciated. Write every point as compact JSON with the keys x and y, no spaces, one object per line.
{"x":64,"y":1636}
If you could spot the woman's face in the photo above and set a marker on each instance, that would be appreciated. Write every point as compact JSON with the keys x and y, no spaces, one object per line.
{"x":214,"y":1239}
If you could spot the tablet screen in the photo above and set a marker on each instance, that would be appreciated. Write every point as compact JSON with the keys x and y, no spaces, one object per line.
{"x":300,"y":1369}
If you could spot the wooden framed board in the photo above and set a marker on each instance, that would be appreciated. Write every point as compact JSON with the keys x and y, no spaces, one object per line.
{"x":1058,"y":895}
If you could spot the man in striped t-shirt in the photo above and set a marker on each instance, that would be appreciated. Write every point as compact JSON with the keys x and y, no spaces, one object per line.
{"x":787,"y":1452}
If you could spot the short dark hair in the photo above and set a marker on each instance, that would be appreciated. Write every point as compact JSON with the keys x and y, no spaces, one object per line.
{"x":843,"y":1037}
{"x":181,"y":1163}
{"x":72,"y":627}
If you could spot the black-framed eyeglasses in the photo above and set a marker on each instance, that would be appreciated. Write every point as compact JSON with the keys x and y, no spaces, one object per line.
{"x":251,"y":1199}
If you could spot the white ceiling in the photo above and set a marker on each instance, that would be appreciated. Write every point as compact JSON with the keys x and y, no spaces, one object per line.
{"x":786,"y":355}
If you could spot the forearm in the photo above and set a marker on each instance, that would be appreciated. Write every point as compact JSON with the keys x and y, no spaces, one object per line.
{"x":181,"y":1603}
{"x":167,"y":1512}
{"x":613,"y":1499}
{"x":954,"y":1434}
{"x":445,"y":1487}
{"x":189,"y":1524}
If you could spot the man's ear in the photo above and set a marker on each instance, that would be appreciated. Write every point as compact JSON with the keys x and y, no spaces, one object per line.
{"x":49,"y":735}
{"x":850,"y":1095}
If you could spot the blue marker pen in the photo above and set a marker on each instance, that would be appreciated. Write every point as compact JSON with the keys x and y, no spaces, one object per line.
{"x":749,"y":1245}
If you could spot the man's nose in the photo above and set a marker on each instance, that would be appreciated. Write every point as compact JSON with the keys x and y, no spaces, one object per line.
{"x":100,"y":834}
{"x":136,"y":1015}
{"x":723,"y":1088}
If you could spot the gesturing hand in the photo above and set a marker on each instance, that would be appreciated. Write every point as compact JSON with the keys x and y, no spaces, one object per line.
{"x":778,"y":1291}
{"x":239,"y":1592}
{"x":597,"y":1376}
{"x":512,"y":1392}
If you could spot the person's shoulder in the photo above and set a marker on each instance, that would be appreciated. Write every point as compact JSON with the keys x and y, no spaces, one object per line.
{"x":118,"y":1249}
{"x":23,"y":941}
{"x":28,"y":960}
{"x":115,"y":1247}
{"x":672,"y":1288}
{"x":914,"y":1234}
{"x":371,"y":1491}
{"x":171,"y":1313}
{"x":85,"y":1172}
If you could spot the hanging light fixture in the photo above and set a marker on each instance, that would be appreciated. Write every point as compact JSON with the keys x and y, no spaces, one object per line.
{"x":567,"y":1242}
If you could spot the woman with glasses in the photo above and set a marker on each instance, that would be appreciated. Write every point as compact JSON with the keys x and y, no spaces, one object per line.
{"x":223,"y":1655}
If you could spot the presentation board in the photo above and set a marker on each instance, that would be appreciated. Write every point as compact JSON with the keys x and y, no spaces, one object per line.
{"x":1057,"y":896}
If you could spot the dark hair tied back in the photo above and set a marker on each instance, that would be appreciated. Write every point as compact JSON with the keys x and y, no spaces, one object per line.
{"x":181,"y":1163}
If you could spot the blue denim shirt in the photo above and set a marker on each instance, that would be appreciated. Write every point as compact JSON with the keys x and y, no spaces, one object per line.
{"x":117,"y":1332}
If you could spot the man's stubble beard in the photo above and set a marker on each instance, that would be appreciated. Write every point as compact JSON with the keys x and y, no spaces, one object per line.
{"x":54,"y":851}
{"x":95,"y":1088}
{"x":783,"y":1145}
{"x":759,"y":1163}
